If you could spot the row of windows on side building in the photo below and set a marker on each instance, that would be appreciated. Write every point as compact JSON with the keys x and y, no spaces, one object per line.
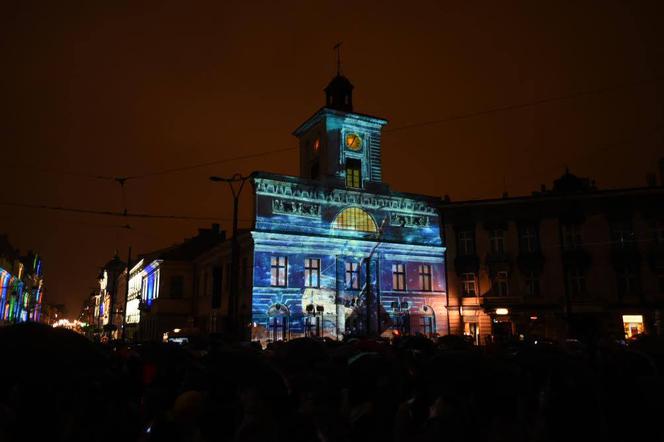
{"x":312,"y":269}
{"x":622,"y":236}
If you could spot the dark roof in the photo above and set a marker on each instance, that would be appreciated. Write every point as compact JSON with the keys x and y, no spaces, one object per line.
{"x":190,"y":248}
{"x":339,"y":82}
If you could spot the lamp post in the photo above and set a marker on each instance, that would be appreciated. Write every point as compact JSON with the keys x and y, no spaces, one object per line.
{"x":236,"y":190}
{"x":379,"y":241}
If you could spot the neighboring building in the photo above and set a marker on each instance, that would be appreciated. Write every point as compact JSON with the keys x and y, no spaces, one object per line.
{"x":574,"y":261}
{"x":212,"y":283}
{"x":161,"y":287}
{"x":107,"y":317}
{"x":335,"y":243}
{"x":21,"y":285}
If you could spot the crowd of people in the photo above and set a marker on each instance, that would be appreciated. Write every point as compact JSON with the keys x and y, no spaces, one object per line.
{"x":56,"y":385}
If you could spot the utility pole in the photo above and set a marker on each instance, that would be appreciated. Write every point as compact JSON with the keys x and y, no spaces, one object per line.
{"x":379,"y":241}
{"x":124,"y":310}
{"x":234,"y":298}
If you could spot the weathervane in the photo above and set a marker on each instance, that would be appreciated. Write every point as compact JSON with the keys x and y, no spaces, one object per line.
{"x":337,"y":47}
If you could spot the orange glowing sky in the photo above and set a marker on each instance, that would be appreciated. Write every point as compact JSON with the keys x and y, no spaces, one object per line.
{"x":125,"y":88}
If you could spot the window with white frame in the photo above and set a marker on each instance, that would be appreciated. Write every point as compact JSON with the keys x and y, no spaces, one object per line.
{"x":571,"y":236}
{"x":528,"y":238}
{"x":576,"y":281}
{"x":497,"y":241}
{"x":468,"y":284}
{"x":465,"y":242}
{"x":312,"y":272}
{"x":279,"y":271}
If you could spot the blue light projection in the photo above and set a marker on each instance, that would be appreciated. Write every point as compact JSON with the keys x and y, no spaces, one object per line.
{"x":345,"y":224}
{"x":299,"y":234}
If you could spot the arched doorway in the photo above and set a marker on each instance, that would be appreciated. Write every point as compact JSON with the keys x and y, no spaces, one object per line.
{"x":278,"y":320}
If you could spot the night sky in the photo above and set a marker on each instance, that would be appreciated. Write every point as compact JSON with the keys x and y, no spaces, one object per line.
{"x":129,"y":88}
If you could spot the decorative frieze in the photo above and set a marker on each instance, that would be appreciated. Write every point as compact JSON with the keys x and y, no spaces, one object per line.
{"x":398,"y":219}
{"x":295,"y":208}
{"x":291,"y":191}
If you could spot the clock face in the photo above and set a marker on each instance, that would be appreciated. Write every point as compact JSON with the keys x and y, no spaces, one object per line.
{"x":353,"y":141}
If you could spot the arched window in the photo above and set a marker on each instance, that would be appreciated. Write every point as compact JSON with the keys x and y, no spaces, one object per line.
{"x":354,"y":218}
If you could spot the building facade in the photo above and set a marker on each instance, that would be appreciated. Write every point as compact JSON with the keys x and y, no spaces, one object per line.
{"x":571,"y":262}
{"x":161,"y":296}
{"x":334,"y":250}
{"x":21,"y":285}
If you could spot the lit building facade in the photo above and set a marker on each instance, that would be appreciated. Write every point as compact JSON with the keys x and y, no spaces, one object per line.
{"x":21,"y":285}
{"x":335,"y":251}
{"x":573,"y":261}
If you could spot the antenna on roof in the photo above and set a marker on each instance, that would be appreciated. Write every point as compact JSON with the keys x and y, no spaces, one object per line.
{"x":337,"y":47}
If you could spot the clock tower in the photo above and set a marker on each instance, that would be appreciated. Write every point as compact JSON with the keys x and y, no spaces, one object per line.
{"x":339,"y":146}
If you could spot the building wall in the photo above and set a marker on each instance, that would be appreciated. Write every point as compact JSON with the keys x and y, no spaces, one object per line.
{"x":558,"y":311}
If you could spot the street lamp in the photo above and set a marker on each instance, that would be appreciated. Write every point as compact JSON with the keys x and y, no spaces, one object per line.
{"x":379,"y":241}
{"x":235,"y":191}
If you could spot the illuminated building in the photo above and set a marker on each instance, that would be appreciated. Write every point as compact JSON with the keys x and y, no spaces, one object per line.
{"x":573,"y":261}
{"x":108,"y":299}
{"x":334,"y":244}
{"x":21,"y":285}
{"x":160,"y":295}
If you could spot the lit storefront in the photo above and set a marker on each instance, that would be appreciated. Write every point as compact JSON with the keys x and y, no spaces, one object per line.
{"x":633,"y":325}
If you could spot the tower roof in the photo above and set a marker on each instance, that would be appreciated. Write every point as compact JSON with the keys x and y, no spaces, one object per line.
{"x":339,"y":94}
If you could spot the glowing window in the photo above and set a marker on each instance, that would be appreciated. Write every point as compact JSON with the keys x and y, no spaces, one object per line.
{"x":398,"y":277}
{"x":354,"y":218}
{"x":353,"y":173}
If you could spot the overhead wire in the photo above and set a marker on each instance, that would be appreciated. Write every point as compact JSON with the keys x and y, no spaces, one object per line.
{"x":114,"y":213}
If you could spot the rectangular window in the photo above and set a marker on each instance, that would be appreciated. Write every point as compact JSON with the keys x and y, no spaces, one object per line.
{"x":312,"y":272}
{"x":501,"y":284}
{"x":352,"y":276}
{"x":468,"y":284}
{"x":571,"y":236}
{"x":622,"y":233}
{"x":177,"y":286}
{"x":425,"y":277}
{"x":353,"y":173}
{"x":466,"y":242}
{"x":628,"y":281}
{"x":532,"y":284}
{"x":278,"y":271}
{"x":576,"y":281}
{"x":398,"y":277}
{"x":528,"y":241}
{"x":497,"y":241}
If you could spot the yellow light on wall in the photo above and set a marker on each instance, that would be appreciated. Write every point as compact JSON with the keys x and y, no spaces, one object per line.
{"x":502,"y":311}
{"x":176,"y":330}
{"x":632,"y":319}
